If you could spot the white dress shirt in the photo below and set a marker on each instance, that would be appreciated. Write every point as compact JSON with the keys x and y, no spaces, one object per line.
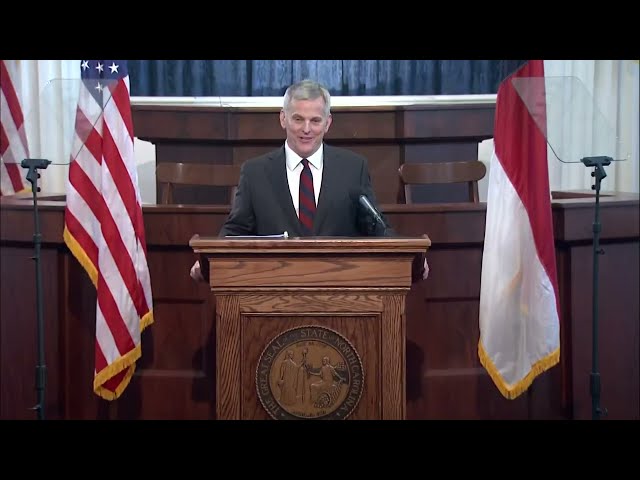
{"x":294,"y":169}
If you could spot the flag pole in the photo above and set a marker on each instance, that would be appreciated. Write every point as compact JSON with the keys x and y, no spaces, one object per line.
{"x":34,"y":164}
{"x":597,"y":163}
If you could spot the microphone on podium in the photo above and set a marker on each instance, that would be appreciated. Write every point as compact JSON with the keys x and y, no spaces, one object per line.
{"x":364,"y":201}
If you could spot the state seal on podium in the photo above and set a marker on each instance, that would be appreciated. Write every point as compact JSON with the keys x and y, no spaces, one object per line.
{"x":309,"y":372}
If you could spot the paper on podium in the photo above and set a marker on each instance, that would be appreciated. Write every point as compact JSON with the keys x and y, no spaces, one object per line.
{"x":569,"y":118}
{"x":257,"y":237}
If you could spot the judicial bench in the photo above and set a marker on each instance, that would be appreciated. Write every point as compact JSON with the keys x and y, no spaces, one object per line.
{"x":176,"y":376}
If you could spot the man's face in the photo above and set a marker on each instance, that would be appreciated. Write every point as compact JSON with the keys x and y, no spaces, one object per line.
{"x":305,"y":125}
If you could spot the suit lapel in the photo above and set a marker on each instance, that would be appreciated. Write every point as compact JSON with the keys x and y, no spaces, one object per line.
{"x":278,"y":178}
{"x":330,"y":177}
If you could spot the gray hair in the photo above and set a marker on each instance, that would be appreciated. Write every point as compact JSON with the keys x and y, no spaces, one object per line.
{"x":307,"y":90}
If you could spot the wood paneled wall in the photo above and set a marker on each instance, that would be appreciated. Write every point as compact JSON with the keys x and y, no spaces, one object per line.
{"x":387,"y":136}
{"x":176,"y":375}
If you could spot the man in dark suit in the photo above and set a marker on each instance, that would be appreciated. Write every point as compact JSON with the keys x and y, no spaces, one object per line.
{"x":270,"y":194}
{"x":305,"y":188}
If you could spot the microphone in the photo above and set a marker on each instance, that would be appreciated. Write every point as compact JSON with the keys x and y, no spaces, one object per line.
{"x":364,"y":201}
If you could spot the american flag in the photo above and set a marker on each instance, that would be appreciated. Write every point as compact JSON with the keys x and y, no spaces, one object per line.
{"x":103,"y":222}
{"x":13,"y":139}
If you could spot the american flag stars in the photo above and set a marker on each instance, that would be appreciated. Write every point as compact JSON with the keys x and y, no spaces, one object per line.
{"x":99,"y":69}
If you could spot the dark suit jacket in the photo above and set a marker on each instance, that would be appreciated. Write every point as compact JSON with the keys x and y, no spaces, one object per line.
{"x":263,"y":204}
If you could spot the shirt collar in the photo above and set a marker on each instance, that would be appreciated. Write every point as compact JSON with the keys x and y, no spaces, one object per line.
{"x":293,"y":159}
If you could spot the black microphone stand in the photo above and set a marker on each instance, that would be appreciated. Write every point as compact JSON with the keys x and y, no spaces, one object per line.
{"x":33,"y":164}
{"x":597,"y":163}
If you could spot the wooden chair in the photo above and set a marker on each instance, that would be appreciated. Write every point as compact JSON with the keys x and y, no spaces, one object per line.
{"x":170,"y":174}
{"x":442,"y":172}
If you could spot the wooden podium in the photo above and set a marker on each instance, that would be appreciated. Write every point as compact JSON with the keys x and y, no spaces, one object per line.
{"x":310,"y":328}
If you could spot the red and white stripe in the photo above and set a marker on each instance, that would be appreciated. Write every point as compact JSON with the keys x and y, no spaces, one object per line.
{"x":13,"y":139}
{"x":104,"y":229}
{"x":519,"y":319}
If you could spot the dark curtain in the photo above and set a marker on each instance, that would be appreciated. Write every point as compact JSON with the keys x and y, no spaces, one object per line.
{"x":252,"y":78}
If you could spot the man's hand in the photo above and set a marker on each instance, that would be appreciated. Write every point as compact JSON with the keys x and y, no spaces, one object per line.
{"x":419,"y":267}
{"x":196,"y":272}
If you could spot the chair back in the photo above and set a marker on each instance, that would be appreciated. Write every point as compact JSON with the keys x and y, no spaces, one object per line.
{"x":170,"y":174}
{"x":442,"y":172}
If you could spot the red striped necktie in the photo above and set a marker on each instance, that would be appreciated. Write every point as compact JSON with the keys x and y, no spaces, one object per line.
{"x":307,"y":206}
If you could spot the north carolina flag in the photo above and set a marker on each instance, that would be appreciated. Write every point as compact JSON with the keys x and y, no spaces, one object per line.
{"x":519,"y":319}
